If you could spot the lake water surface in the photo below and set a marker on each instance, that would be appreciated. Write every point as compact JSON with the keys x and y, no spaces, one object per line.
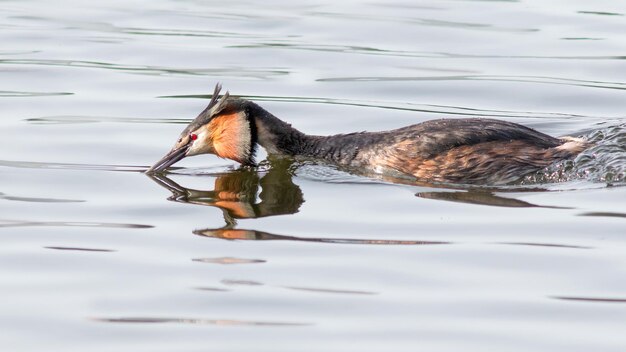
{"x":97,"y":256}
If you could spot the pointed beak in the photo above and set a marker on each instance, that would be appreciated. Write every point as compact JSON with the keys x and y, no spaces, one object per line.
{"x":169,"y":159}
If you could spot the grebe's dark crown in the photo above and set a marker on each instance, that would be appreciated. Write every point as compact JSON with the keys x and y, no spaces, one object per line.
{"x":215,"y":107}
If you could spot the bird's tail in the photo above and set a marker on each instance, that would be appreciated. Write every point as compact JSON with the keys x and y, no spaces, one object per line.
{"x":573,"y":145}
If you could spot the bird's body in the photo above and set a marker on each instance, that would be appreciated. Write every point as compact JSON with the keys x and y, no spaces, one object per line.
{"x":460,"y":151}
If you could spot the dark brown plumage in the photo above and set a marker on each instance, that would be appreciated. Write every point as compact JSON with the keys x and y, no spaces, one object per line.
{"x":459,"y":151}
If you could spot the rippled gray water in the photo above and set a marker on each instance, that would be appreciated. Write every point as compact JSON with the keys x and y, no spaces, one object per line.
{"x":97,"y":256}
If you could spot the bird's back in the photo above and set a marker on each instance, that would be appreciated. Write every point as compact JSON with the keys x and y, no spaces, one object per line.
{"x":471,"y":151}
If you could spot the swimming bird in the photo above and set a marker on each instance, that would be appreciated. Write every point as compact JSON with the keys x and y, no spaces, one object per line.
{"x":458,"y":151}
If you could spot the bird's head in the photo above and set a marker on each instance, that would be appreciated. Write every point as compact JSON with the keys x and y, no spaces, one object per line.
{"x":223,"y":128}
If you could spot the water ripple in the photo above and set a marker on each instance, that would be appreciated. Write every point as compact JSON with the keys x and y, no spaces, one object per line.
{"x":80,"y":249}
{"x":60,"y":120}
{"x":23,"y":52}
{"x":241,"y":282}
{"x":591,"y":299}
{"x":193,"y":321}
{"x":601,"y":13}
{"x":581,"y":38}
{"x":188,"y":33}
{"x":330,"y":290}
{"x":228,"y":260}
{"x":364,"y":50}
{"x":71,"y":166}
{"x":246,"y":72}
{"x":212,"y":289}
{"x":22,"y":223}
{"x":390,"y":105}
{"x":39,"y":200}
{"x":548,"y":245}
{"x":421,"y":21}
{"x":493,"y":78}
{"x":604,"y":214}
{"x":11,"y":93}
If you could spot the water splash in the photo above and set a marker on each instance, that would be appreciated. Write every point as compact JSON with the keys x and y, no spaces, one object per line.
{"x":604,"y":162}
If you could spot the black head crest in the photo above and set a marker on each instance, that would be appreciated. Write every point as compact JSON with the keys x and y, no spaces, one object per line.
{"x":216,"y":105}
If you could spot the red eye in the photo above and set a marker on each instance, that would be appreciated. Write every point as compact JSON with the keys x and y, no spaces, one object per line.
{"x":193,"y":136}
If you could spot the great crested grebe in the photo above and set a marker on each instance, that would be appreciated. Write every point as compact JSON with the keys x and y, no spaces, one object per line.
{"x":459,"y":151}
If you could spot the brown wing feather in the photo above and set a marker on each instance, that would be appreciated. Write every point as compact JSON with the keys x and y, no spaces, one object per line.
{"x":469,"y":151}
{"x":496,"y":162}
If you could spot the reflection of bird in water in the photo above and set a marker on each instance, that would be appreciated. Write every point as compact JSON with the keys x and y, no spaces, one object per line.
{"x":460,"y":151}
{"x":254,"y":235}
{"x":236,"y":192}
{"x":481,"y":197}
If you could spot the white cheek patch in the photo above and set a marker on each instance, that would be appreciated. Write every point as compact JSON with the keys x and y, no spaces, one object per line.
{"x":199,"y":145}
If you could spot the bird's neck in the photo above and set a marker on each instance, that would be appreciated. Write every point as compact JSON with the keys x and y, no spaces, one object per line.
{"x":278,"y":137}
